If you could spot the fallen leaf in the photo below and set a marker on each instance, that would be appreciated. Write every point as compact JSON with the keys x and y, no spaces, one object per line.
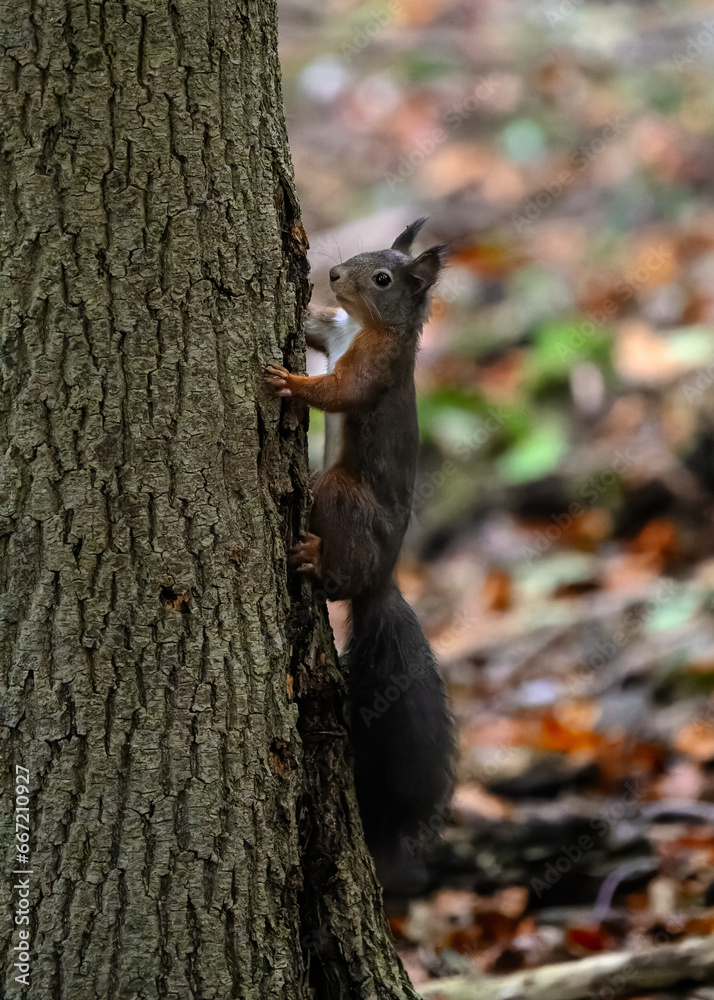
{"x":699,"y":925}
{"x":696,"y":740}
{"x":496,"y":592}
{"x":641,"y":355}
{"x":589,"y":939}
{"x":658,"y":538}
{"x":473,"y":801}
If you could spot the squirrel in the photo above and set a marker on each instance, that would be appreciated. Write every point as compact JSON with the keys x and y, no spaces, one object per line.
{"x":401,"y":726}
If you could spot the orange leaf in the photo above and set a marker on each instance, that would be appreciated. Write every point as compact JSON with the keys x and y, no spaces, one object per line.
{"x":699,"y":925}
{"x":496,"y":593}
{"x":570,"y":728}
{"x":397,"y":925}
{"x":487,"y":260}
{"x":696,"y":740}
{"x":658,"y":537}
{"x":588,"y":938}
{"x":497,"y":928}
{"x":588,"y":529}
{"x":465,"y":941}
{"x":638,"y":902}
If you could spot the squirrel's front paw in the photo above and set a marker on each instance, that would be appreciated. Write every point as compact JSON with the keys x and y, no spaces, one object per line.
{"x":277,"y":377}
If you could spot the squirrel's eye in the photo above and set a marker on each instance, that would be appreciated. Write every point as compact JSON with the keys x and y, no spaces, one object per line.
{"x":382,"y":279}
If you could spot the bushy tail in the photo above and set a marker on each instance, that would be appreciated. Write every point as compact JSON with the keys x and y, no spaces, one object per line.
{"x":402,"y":733}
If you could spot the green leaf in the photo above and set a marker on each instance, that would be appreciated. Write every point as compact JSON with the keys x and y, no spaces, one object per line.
{"x":559,"y":347}
{"x":691,"y":344}
{"x":536,"y":454}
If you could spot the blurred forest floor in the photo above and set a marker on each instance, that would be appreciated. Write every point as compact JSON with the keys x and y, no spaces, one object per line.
{"x":562,"y":551}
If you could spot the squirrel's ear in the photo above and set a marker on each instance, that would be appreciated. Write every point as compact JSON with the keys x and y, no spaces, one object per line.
{"x":403,"y":242}
{"x":423,"y":271}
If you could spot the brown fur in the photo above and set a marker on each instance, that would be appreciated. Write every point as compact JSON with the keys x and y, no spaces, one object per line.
{"x":359,"y":375}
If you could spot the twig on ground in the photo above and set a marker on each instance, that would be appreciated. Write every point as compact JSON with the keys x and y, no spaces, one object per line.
{"x":601,"y":977}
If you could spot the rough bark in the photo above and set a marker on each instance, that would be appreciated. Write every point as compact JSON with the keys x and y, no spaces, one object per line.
{"x":194,"y":829}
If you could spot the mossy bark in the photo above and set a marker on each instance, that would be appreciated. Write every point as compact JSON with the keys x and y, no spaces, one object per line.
{"x":194,"y":830}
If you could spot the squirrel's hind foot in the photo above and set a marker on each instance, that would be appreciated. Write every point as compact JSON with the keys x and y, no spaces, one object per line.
{"x":304,"y":556}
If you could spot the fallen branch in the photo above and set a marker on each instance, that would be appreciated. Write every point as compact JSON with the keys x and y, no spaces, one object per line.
{"x":601,"y":977}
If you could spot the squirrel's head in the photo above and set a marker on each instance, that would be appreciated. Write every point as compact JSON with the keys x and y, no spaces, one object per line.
{"x":389,"y":287}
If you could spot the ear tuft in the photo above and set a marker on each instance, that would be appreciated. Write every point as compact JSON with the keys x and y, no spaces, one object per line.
{"x":403,"y":242}
{"x":424,"y":270}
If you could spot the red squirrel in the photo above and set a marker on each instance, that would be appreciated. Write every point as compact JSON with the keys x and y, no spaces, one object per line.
{"x":401,"y":726}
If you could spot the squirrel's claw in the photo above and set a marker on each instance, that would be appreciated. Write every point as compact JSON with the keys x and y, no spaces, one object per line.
{"x":276,"y":376}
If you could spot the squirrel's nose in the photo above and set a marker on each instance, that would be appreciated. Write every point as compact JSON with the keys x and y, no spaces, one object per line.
{"x":335,"y":274}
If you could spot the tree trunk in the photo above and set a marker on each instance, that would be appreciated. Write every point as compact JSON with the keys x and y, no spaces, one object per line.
{"x":176,"y":705}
